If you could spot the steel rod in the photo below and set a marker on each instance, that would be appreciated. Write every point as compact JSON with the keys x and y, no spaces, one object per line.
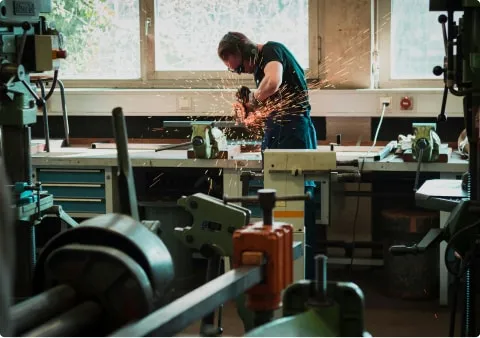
{"x":68,"y":324}
{"x":188,"y":124}
{"x":176,"y":316}
{"x":42,"y":307}
{"x":66,"y":127}
{"x":126,"y":183}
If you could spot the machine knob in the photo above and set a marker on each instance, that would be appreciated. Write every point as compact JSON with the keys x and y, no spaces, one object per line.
{"x":422,"y":143}
{"x":442,"y":19}
{"x":438,"y":70}
{"x":198,"y":141}
{"x":442,"y":118}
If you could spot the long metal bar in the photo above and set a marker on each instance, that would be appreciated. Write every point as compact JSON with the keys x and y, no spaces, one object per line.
{"x":173,"y":146}
{"x":81,"y":317}
{"x":188,"y":124}
{"x":66,"y":127}
{"x":173,"y":318}
{"x":46,"y":127}
{"x":38,"y":309}
{"x":126,"y":183}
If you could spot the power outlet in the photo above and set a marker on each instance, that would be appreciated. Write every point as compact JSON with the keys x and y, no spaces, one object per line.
{"x":184,"y":103}
{"x":385,"y":100}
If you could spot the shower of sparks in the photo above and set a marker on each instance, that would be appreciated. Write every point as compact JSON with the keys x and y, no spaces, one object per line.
{"x":333,"y":70}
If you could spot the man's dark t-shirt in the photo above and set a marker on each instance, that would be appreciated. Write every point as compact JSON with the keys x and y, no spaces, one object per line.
{"x":289,"y":125}
{"x":292,"y":97}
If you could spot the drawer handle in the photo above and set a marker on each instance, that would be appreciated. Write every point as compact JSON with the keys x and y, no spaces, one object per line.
{"x":72,"y":185}
{"x":93,"y":200}
{"x":71,"y":170}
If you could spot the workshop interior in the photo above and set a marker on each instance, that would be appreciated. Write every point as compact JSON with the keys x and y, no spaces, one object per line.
{"x":137,"y":202}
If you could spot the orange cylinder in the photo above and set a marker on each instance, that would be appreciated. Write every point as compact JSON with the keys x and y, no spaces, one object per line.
{"x":275,"y":243}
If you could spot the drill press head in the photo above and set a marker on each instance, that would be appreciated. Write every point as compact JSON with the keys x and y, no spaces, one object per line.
{"x":28,"y":46}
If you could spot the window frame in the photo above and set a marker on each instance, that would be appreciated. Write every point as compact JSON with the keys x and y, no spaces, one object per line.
{"x":383,"y":50}
{"x":183,"y":80}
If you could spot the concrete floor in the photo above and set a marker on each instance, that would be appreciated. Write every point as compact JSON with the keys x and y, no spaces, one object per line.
{"x":384,"y":316}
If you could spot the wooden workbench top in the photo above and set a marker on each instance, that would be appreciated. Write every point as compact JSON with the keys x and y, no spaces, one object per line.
{"x":83,"y":156}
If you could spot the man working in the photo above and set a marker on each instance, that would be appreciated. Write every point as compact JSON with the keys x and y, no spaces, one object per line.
{"x":280,"y":102}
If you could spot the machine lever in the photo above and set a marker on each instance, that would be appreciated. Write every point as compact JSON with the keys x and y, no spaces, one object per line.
{"x":442,"y":19}
{"x":126,"y":183}
{"x":432,"y":237}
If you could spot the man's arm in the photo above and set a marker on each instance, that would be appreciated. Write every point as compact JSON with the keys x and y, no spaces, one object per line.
{"x":271,"y":81}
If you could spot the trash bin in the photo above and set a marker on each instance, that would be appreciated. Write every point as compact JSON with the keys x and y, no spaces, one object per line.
{"x":410,"y":276}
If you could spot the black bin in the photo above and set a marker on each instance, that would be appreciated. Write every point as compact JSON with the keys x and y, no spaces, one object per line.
{"x":410,"y":276}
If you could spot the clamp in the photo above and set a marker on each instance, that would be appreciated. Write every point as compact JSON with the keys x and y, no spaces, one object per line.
{"x":266,"y":243}
{"x":211,"y":233}
{"x":213,"y":223}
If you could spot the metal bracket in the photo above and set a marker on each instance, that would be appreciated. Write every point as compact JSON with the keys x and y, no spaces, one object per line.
{"x":213,"y":223}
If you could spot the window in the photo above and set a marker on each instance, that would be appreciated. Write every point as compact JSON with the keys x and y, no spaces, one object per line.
{"x":157,"y":43}
{"x":410,"y":43}
{"x":101,"y":37}
{"x":187,"y":32}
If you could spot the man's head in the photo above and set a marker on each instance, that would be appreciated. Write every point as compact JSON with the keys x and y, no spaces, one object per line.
{"x":238,"y":52}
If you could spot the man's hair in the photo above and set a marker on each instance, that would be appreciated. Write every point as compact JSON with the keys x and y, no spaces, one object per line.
{"x":235,"y":43}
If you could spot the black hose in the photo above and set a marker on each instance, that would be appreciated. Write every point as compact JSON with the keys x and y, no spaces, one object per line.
{"x":54,"y":84}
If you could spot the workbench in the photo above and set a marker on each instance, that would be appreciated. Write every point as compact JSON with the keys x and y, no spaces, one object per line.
{"x":93,"y":171}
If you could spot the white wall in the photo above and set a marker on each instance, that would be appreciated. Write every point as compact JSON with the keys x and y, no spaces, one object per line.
{"x":154,"y":102}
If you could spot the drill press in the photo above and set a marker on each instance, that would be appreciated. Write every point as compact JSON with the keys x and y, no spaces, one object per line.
{"x":28,"y":46}
{"x":461,"y":72}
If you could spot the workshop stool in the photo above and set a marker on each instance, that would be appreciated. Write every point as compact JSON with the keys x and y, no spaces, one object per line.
{"x":410,"y":276}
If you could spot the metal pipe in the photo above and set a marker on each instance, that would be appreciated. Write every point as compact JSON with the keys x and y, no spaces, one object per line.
{"x":182,"y":312}
{"x":66,"y":126}
{"x":46,"y":128}
{"x":213,"y":271}
{"x":70,"y":323}
{"x":321,"y":277}
{"x":126,"y":183}
{"x":174,"y":146}
{"x":38,"y":309}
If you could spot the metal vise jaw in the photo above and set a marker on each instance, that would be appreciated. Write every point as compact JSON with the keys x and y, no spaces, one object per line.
{"x":207,"y":140}
{"x":213,"y":223}
{"x":426,"y":144}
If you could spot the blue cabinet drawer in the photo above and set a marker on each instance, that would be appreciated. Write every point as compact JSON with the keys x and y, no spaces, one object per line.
{"x":80,"y":191}
{"x":71,"y":176}
{"x":95,"y":206}
{"x":75,"y":190}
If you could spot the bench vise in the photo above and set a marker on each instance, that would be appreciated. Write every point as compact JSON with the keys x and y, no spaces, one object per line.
{"x":426,"y":142}
{"x":207,"y":140}
{"x":317,"y":308}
